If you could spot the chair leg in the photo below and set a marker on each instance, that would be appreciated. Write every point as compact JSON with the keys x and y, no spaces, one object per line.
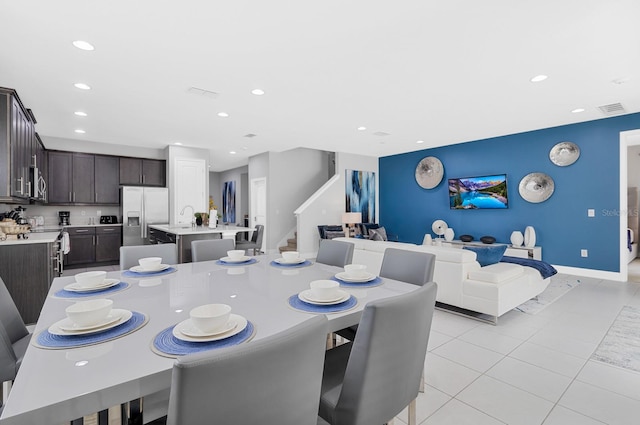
{"x":421,"y":388}
{"x":412,"y":412}
{"x":6,"y":387}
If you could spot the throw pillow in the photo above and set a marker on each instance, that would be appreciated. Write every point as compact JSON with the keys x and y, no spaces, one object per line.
{"x":379,"y":234}
{"x":333,"y":234}
{"x":488,"y":254}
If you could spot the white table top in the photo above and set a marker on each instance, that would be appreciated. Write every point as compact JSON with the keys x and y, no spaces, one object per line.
{"x":183,"y":230}
{"x":54,"y":386}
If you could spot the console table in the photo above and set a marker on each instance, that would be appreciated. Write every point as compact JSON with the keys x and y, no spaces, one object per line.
{"x":534,"y":253}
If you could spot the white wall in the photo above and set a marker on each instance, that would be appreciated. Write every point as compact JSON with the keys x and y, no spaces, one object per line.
{"x":173,"y":153}
{"x":633,"y":166}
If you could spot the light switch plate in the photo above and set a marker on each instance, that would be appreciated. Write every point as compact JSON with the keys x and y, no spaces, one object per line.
{"x":584,"y":253}
{"x":591,"y":212}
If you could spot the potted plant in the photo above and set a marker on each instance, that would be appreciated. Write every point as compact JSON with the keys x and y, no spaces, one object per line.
{"x":198,"y":219}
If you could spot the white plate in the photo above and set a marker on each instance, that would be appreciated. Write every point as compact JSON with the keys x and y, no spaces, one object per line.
{"x":107,"y":283}
{"x":308,"y":298}
{"x":190,"y":330}
{"x":230,"y":260}
{"x":67,"y":327}
{"x":139,"y":269}
{"x":344,"y":276}
{"x":298,"y":260}
{"x":187,"y":326}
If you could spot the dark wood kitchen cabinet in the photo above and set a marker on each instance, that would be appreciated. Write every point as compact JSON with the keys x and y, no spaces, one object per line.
{"x":71,"y":178}
{"x":93,"y":245}
{"x":107,"y":181}
{"x":108,"y":242}
{"x":142,"y":172}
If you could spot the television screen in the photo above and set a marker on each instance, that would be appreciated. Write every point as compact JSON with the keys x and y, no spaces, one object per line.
{"x":478,"y":192}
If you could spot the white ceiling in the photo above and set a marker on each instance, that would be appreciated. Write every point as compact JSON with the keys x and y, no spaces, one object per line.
{"x":440,"y":71}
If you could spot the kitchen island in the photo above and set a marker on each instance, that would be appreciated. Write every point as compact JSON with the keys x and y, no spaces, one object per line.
{"x":183,"y":235}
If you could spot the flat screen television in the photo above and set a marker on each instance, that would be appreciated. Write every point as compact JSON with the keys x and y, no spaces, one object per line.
{"x":482,"y":192}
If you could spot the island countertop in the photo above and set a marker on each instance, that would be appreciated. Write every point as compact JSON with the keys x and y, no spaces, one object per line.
{"x":41,"y":237}
{"x":182,"y":230}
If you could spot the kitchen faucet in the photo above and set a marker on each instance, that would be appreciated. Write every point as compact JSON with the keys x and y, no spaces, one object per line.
{"x":193,"y":214}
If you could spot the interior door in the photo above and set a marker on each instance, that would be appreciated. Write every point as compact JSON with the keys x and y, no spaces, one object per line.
{"x":259,"y":206}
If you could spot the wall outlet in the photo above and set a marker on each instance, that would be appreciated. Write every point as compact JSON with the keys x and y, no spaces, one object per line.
{"x":591,"y":212}
{"x":98,"y":212}
{"x":584,"y":253}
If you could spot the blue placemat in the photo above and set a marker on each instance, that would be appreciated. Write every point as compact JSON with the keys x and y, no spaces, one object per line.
{"x":244,"y":263}
{"x":129,"y":273}
{"x":45,"y":339}
{"x":375,"y":282}
{"x":165,"y":344}
{"x":298,"y":304}
{"x":305,"y":263}
{"x":120,"y":286}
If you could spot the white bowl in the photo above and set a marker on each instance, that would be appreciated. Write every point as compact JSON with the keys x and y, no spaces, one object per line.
{"x":290,"y":255}
{"x":235,"y":254}
{"x":90,"y":312}
{"x":210,"y":317}
{"x":355,"y":270}
{"x":150,"y":263}
{"x":90,"y":279}
{"x":324,"y":290}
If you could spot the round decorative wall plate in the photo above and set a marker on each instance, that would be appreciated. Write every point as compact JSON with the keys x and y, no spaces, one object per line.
{"x":564,"y":153}
{"x":536,"y":187}
{"x":439,"y":227}
{"x":429,"y":172}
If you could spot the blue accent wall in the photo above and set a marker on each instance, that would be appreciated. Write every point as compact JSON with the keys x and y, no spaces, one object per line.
{"x":561,"y":223}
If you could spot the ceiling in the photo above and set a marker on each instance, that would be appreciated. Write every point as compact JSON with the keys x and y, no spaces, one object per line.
{"x":441,"y":72}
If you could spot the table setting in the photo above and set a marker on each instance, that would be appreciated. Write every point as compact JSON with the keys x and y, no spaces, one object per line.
{"x":323,"y":296}
{"x":208,"y":327}
{"x":89,"y":322}
{"x":236,"y":257}
{"x":149,"y":267}
{"x":290,"y":259}
{"x":357,"y":276}
{"x":91,"y":284}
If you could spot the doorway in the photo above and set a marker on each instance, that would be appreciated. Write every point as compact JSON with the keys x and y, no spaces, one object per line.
{"x":628,"y":139}
{"x":259,"y":207}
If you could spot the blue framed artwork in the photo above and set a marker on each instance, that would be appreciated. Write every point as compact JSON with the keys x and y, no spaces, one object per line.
{"x":229,"y":202}
{"x":360,"y":193}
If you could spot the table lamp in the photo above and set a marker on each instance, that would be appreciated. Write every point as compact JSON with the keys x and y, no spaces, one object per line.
{"x":350,"y":218}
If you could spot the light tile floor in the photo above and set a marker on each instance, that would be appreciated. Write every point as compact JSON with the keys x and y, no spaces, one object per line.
{"x":530,"y":369}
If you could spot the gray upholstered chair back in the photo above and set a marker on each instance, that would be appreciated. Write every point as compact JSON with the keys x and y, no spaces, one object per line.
{"x":271,"y":381}
{"x":384,"y":367}
{"x":211,"y":249}
{"x":335,"y":253}
{"x":129,"y":255}
{"x":408,"y":266}
{"x":256,"y":240}
{"x":14,"y":336}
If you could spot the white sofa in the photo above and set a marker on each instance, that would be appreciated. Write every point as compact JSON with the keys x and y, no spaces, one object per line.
{"x":462,"y":282}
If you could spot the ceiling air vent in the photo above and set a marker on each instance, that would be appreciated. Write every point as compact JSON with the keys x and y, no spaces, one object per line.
{"x":250,"y":135}
{"x":381,"y":133}
{"x":612,"y":109}
{"x":202,"y":92}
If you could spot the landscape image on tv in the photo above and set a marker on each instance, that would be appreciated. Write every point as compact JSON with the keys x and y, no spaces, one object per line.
{"x":478,"y":192}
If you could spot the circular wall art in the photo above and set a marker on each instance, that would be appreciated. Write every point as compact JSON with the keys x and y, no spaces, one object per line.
{"x":429,"y":172}
{"x":439,"y":227}
{"x":564,"y":153}
{"x":536,"y":187}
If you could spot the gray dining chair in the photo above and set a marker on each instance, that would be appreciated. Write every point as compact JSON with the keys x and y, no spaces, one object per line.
{"x":274,"y":380}
{"x":211,"y":249}
{"x":14,"y":336}
{"x":372,"y":379}
{"x":256,"y":240}
{"x":129,"y":255}
{"x":335,"y":253}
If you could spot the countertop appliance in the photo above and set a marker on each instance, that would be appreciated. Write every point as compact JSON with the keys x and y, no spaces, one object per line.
{"x":139,"y":207}
{"x":108,"y":219}
{"x":63,"y":218}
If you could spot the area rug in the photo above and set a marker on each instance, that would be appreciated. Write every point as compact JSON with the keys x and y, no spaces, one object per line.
{"x":560,"y":284}
{"x":621,"y":345}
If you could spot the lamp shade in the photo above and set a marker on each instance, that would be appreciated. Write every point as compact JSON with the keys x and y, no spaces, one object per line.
{"x":351,"y":217}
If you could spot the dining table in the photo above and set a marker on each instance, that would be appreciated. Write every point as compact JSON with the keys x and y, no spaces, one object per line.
{"x":58,"y":384}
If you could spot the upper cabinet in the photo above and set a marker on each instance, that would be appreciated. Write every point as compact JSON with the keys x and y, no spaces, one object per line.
{"x":107,"y":179}
{"x":142,"y":172}
{"x":19,"y":175}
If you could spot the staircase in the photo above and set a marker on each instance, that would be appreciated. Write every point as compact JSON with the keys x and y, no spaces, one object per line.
{"x":292,"y":244}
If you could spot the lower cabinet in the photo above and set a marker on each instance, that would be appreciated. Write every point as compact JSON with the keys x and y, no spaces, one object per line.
{"x":27,"y":271}
{"x":93,"y":245}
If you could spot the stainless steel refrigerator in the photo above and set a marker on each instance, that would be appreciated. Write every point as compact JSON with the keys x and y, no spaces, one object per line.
{"x":139,"y":207}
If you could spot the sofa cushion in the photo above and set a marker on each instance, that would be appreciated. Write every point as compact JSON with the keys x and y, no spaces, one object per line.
{"x":330,"y":234}
{"x":496,"y":273}
{"x":324,"y":228}
{"x":379,"y":234}
{"x":486,"y":255}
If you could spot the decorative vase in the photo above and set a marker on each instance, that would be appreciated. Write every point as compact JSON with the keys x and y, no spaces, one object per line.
{"x":517,"y":238}
{"x":449,"y":234}
{"x":427,"y":239}
{"x":213,"y":218}
{"x":529,"y":237}
{"x":198,"y":221}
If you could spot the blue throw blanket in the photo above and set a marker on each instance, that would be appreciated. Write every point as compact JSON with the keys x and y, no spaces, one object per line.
{"x":546,"y":270}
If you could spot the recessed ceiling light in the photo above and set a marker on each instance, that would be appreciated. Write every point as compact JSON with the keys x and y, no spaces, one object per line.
{"x":232,"y":152}
{"x":83,"y":45}
{"x":420,"y":141}
{"x":539,"y":78}
{"x":80,"y":113}
{"x":223,"y":114}
{"x":257,"y":92}
{"x":577,"y":110}
{"x":82,"y":86}
{"x":79,"y":131}
{"x":362,"y":128}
